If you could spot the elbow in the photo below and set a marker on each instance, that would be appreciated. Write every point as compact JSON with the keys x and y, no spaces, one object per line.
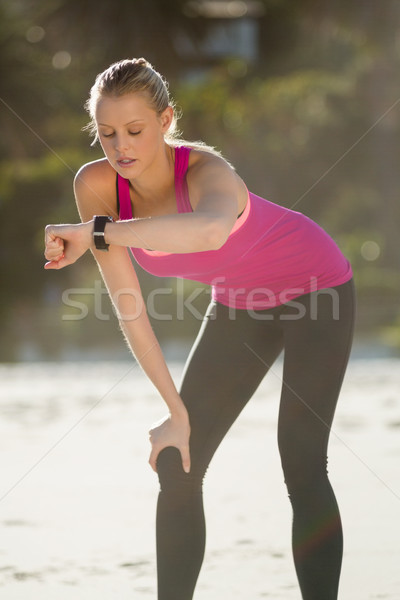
{"x":216,"y":234}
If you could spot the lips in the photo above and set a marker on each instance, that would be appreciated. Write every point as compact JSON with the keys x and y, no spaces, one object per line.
{"x":126,"y":162}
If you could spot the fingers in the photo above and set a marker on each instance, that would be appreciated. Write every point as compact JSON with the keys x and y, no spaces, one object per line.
{"x":170,"y":433}
{"x":53,"y":244}
{"x":56,"y":264}
{"x":65,"y":244}
{"x":54,"y":249}
{"x":55,"y":255}
{"x":153,"y":459}
{"x":49,"y":234}
{"x":185,"y":455}
{"x":52,"y":235}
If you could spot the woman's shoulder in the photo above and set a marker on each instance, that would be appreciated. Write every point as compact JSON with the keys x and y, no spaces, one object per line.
{"x":95,"y":186}
{"x":204,"y":163}
{"x":97,"y":172}
{"x":208,"y":162}
{"x":210,"y":170}
{"x":206,"y":156}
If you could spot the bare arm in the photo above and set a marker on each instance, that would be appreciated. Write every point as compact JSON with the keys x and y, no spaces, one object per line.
{"x":117,"y":270}
{"x":214,"y":193}
{"x":121,"y":280}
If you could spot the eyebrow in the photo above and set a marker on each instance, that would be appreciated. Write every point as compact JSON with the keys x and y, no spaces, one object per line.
{"x":130,"y":122}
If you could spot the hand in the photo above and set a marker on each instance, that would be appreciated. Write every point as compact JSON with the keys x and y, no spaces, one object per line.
{"x":64,"y":244}
{"x":171,"y":431}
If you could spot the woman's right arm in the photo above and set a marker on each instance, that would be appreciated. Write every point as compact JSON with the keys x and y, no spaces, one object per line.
{"x":95,"y":194}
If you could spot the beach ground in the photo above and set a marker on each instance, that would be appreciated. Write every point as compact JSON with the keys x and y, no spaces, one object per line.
{"x":78,"y":497}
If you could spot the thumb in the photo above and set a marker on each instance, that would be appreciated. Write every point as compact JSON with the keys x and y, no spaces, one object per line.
{"x":57,"y":264}
{"x":185,"y":455}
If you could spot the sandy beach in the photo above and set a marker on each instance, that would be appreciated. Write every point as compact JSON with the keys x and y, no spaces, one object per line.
{"x":75,"y":523}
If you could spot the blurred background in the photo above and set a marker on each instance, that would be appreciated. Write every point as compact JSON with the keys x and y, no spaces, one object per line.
{"x":302,"y":97}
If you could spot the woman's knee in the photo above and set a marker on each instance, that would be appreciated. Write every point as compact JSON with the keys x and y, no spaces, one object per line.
{"x":303,"y":475}
{"x":171,"y":475}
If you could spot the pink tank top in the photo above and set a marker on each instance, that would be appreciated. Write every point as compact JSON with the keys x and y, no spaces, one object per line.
{"x":272,"y":255}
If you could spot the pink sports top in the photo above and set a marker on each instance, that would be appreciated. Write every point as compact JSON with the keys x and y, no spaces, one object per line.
{"x":272,"y":255}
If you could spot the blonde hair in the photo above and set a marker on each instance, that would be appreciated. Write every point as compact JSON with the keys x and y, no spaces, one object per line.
{"x":137,"y":75}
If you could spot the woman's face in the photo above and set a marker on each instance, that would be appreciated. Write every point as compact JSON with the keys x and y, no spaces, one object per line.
{"x":130,"y":132}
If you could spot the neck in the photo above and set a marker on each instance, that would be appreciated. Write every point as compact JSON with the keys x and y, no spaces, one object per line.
{"x":159,"y":176}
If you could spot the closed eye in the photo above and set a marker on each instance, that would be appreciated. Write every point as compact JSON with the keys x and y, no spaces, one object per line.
{"x":108,"y":135}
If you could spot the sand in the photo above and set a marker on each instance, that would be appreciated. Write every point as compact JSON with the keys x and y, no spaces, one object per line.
{"x":78,"y":497}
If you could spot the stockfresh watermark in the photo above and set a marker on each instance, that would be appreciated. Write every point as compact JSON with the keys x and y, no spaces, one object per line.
{"x":128,"y":303}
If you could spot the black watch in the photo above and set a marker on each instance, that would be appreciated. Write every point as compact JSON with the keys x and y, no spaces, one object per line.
{"x":98,"y":232}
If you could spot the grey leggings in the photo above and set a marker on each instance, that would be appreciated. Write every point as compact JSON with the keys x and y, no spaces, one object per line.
{"x":230,"y":357}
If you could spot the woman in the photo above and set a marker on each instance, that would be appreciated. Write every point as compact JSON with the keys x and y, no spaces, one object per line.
{"x":278,"y":281}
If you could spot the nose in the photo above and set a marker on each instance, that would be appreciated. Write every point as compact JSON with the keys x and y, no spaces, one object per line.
{"x":121,"y":143}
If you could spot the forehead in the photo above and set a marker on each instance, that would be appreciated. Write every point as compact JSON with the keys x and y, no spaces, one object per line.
{"x":117,"y":109}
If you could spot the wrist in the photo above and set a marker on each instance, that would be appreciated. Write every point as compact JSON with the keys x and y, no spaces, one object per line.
{"x":179,"y":412}
{"x":98,"y":231}
{"x":87,"y":233}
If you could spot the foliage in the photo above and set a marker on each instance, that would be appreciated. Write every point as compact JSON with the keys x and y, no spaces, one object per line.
{"x":312,"y":123}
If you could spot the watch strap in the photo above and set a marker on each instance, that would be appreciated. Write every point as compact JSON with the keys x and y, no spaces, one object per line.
{"x":100,"y":222}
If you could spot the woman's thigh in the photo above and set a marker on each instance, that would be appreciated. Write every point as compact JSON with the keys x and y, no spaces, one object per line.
{"x":230,"y":357}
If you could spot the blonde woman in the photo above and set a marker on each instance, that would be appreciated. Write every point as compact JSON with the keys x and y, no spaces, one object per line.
{"x":278,"y":282}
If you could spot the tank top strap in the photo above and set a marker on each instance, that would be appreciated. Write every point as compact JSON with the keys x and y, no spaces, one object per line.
{"x":181,"y":189}
{"x":124,"y":198}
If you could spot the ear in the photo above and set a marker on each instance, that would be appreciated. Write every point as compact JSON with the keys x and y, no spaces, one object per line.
{"x":166,"y":118}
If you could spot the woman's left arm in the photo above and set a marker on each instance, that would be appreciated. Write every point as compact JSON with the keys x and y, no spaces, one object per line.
{"x":213,"y":188}
{"x":214,"y":191}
